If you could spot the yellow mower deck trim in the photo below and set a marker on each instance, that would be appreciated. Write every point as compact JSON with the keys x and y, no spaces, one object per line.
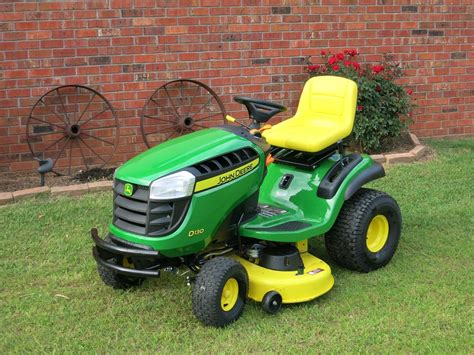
{"x":293,"y":288}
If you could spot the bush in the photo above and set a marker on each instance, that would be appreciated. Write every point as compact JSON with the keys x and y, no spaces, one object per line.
{"x":383,"y":106}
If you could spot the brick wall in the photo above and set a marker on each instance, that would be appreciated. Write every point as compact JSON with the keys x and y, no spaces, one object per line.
{"x":127,"y":48}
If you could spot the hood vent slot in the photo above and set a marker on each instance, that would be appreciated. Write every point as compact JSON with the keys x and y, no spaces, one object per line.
{"x":223,"y":163}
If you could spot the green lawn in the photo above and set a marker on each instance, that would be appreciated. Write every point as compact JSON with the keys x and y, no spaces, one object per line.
{"x":51,"y":298}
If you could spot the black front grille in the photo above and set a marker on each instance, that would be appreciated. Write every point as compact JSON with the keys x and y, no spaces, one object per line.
{"x":139,"y":215}
{"x":223,"y":163}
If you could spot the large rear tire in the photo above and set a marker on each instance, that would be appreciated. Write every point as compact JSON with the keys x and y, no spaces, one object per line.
{"x":220,"y":291}
{"x":366,"y":233}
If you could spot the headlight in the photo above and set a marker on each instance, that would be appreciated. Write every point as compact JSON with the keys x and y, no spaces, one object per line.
{"x":172,"y":186}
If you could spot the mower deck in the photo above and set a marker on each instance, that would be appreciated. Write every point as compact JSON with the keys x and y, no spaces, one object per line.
{"x":293,"y":286}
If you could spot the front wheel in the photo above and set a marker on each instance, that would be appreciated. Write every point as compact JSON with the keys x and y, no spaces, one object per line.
{"x":116,"y":280}
{"x":220,"y":291}
{"x":366,"y":233}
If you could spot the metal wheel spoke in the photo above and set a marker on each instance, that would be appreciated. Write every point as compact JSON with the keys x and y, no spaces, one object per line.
{"x":162,"y":129}
{"x":92,"y":150}
{"x":60,"y":152}
{"x":170,"y":135}
{"x":172,"y":103}
{"x":49,"y":146}
{"x":207,"y":103}
{"x":199,"y":125}
{"x":62,"y":104}
{"x":192,"y":101}
{"x":94,"y":128}
{"x":82,"y":154}
{"x":156,"y":118}
{"x":203,"y":118}
{"x":44,"y":134}
{"x":90,"y":119}
{"x":52,"y":124}
{"x":100,"y":139}
{"x":84,"y":111}
{"x":164,"y":108}
{"x":53,"y":112}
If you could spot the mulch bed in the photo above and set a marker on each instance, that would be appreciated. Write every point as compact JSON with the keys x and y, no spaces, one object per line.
{"x":24,"y":180}
{"x":10,"y":182}
{"x":400,"y":144}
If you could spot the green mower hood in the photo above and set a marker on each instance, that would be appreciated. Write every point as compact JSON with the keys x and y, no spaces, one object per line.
{"x":179,"y":153}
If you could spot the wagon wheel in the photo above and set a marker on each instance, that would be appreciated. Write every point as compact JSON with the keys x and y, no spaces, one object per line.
{"x":177,"y":108}
{"x":75,"y":126}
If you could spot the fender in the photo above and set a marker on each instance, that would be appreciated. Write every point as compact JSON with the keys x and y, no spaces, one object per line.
{"x":375,"y":171}
{"x":334,"y":178}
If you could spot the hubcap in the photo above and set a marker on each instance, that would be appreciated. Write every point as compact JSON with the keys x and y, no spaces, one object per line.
{"x":230,"y":293}
{"x":377,"y":233}
{"x":188,"y":122}
{"x":73,"y":130}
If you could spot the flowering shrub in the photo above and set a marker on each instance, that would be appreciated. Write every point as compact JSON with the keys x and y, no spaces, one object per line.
{"x":383,"y":106}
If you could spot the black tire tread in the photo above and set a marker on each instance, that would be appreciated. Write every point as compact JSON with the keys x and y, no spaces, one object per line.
{"x":208,"y":287}
{"x":116,"y":280}
{"x":342,"y":241}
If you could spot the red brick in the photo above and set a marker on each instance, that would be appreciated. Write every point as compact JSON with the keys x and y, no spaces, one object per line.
{"x":26,"y":26}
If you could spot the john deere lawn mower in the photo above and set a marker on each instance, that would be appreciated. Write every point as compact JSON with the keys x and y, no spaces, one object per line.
{"x":237,"y":206}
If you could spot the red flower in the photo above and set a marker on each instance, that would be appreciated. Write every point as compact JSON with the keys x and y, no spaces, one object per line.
{"x":356,"y":65}
{"x":335,"y":67}
{"x":360,"y":107}
{"x":378,"y":88}
{"x":410,"y":92}
{"x":313,"y":67}
{"x":332,"y":60}
{"x":352,"y":52}
{"x":323,"y":52}
{"x":377,"y":69}
{"x":347,"y":63}
{"x":340,"y":56}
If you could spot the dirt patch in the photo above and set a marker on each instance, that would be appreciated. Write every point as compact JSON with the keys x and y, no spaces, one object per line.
{"x":400,"y":144}
{"x":25,"y":180}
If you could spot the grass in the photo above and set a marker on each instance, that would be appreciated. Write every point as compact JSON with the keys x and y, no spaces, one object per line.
{"x":51,"y":298}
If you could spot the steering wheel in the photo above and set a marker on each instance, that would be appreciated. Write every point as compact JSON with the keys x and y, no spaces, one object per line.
{"x":260,"y":110}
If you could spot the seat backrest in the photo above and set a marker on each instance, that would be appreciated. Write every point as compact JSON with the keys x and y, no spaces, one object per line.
{"x":328,"y":100}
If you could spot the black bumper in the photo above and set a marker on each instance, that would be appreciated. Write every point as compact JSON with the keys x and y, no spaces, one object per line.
{"x":146,"y":262}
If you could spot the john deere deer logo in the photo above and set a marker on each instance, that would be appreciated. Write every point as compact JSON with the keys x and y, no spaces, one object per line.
{"x":128,"y":189}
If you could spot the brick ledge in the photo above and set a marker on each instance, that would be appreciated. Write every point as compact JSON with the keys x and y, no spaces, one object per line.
{"x":418,"y":152}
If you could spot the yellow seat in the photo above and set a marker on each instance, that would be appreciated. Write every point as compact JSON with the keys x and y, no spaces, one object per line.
{"x":325,"y":115}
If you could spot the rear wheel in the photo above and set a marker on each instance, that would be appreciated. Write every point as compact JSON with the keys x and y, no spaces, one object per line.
{"x":116,"y":280}
{"x":220,"y":291}
{"x":366,"y":233}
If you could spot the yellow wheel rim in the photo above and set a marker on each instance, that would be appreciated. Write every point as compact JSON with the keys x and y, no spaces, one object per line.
{"x":127,"y":263}
{"x":230,"y":293}
{"x":377,"y":233}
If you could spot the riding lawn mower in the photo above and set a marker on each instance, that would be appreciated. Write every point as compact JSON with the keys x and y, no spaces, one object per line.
{"x":237,"y":204}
